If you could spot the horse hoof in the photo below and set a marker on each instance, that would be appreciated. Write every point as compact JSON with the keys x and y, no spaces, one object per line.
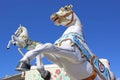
{"x":47,"y":77}
{"x":8,"y":48}
{"x":23,"y":66}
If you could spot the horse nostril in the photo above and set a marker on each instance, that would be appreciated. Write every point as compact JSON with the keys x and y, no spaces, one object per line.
{"x":53,"y":16}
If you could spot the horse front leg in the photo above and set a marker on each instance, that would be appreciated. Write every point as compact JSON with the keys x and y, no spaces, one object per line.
{"x":20,"y":51}
{"x":12,"y":41}
{"x":8,"y":45}
{"x":67,"y":52}
{"x":40,"y":67}
{"x":39,"y":63}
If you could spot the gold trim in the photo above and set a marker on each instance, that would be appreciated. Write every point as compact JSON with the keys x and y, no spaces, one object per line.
{"x":92,"y":77}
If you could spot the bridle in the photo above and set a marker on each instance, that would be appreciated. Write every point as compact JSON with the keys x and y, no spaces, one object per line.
{"x":67,"y":14}
{"x":71,"y":18}
{"x":18,"y":32}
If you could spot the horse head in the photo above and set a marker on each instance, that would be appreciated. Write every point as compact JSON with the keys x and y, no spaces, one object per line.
{"x":64,"y":16}
{"x":21,"y":31}
{"x":20,"y":37}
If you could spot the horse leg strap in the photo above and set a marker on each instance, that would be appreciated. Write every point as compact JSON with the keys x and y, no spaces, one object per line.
{"x":92,"y":77}
{"x":99,"y":67}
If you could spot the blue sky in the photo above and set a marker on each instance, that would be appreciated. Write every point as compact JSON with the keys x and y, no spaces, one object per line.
{"x":100,"y":20}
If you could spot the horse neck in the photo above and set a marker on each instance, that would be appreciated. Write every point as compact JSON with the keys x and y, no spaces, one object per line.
{"x":76,"y":26}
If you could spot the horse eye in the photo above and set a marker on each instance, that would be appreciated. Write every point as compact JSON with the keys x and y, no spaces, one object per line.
{"x":66,"y":8}
{"x":70,"y":6}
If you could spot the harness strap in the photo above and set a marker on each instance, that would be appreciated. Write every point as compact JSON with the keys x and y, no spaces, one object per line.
{"x":75,"y":38}
{"x":92,"y":77}
{"x":102,"y":71}
{"x":71,"y":19}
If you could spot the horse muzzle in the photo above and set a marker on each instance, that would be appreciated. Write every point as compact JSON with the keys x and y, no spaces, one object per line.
{"x":54,"y":17}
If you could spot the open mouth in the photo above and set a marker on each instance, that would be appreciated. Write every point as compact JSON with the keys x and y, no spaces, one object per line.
{"x":55,"y":19}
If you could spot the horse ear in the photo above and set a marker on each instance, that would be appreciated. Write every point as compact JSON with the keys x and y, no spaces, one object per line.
{"x":70,"y":6}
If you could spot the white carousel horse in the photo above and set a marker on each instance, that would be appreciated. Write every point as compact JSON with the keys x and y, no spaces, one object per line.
{"x":70,"y":50}
{"x":21,"y":40}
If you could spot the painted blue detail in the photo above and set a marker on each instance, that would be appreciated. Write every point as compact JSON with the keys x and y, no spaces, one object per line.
{"x":75,"y":37}
{"x":105,"y":71}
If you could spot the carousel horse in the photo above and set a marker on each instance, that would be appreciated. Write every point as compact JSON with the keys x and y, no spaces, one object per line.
{"x":70,"y":50}
{"x":21,"y":40}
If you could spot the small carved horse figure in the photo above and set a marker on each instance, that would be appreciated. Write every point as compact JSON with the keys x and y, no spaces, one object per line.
{"x":70,"y":50}
{"x":21,"y":40}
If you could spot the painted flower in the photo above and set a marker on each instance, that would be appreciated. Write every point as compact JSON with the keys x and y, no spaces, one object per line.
{"x":60,"y":77}
{"x":57,"y":71}
{"x":55,"y":76}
